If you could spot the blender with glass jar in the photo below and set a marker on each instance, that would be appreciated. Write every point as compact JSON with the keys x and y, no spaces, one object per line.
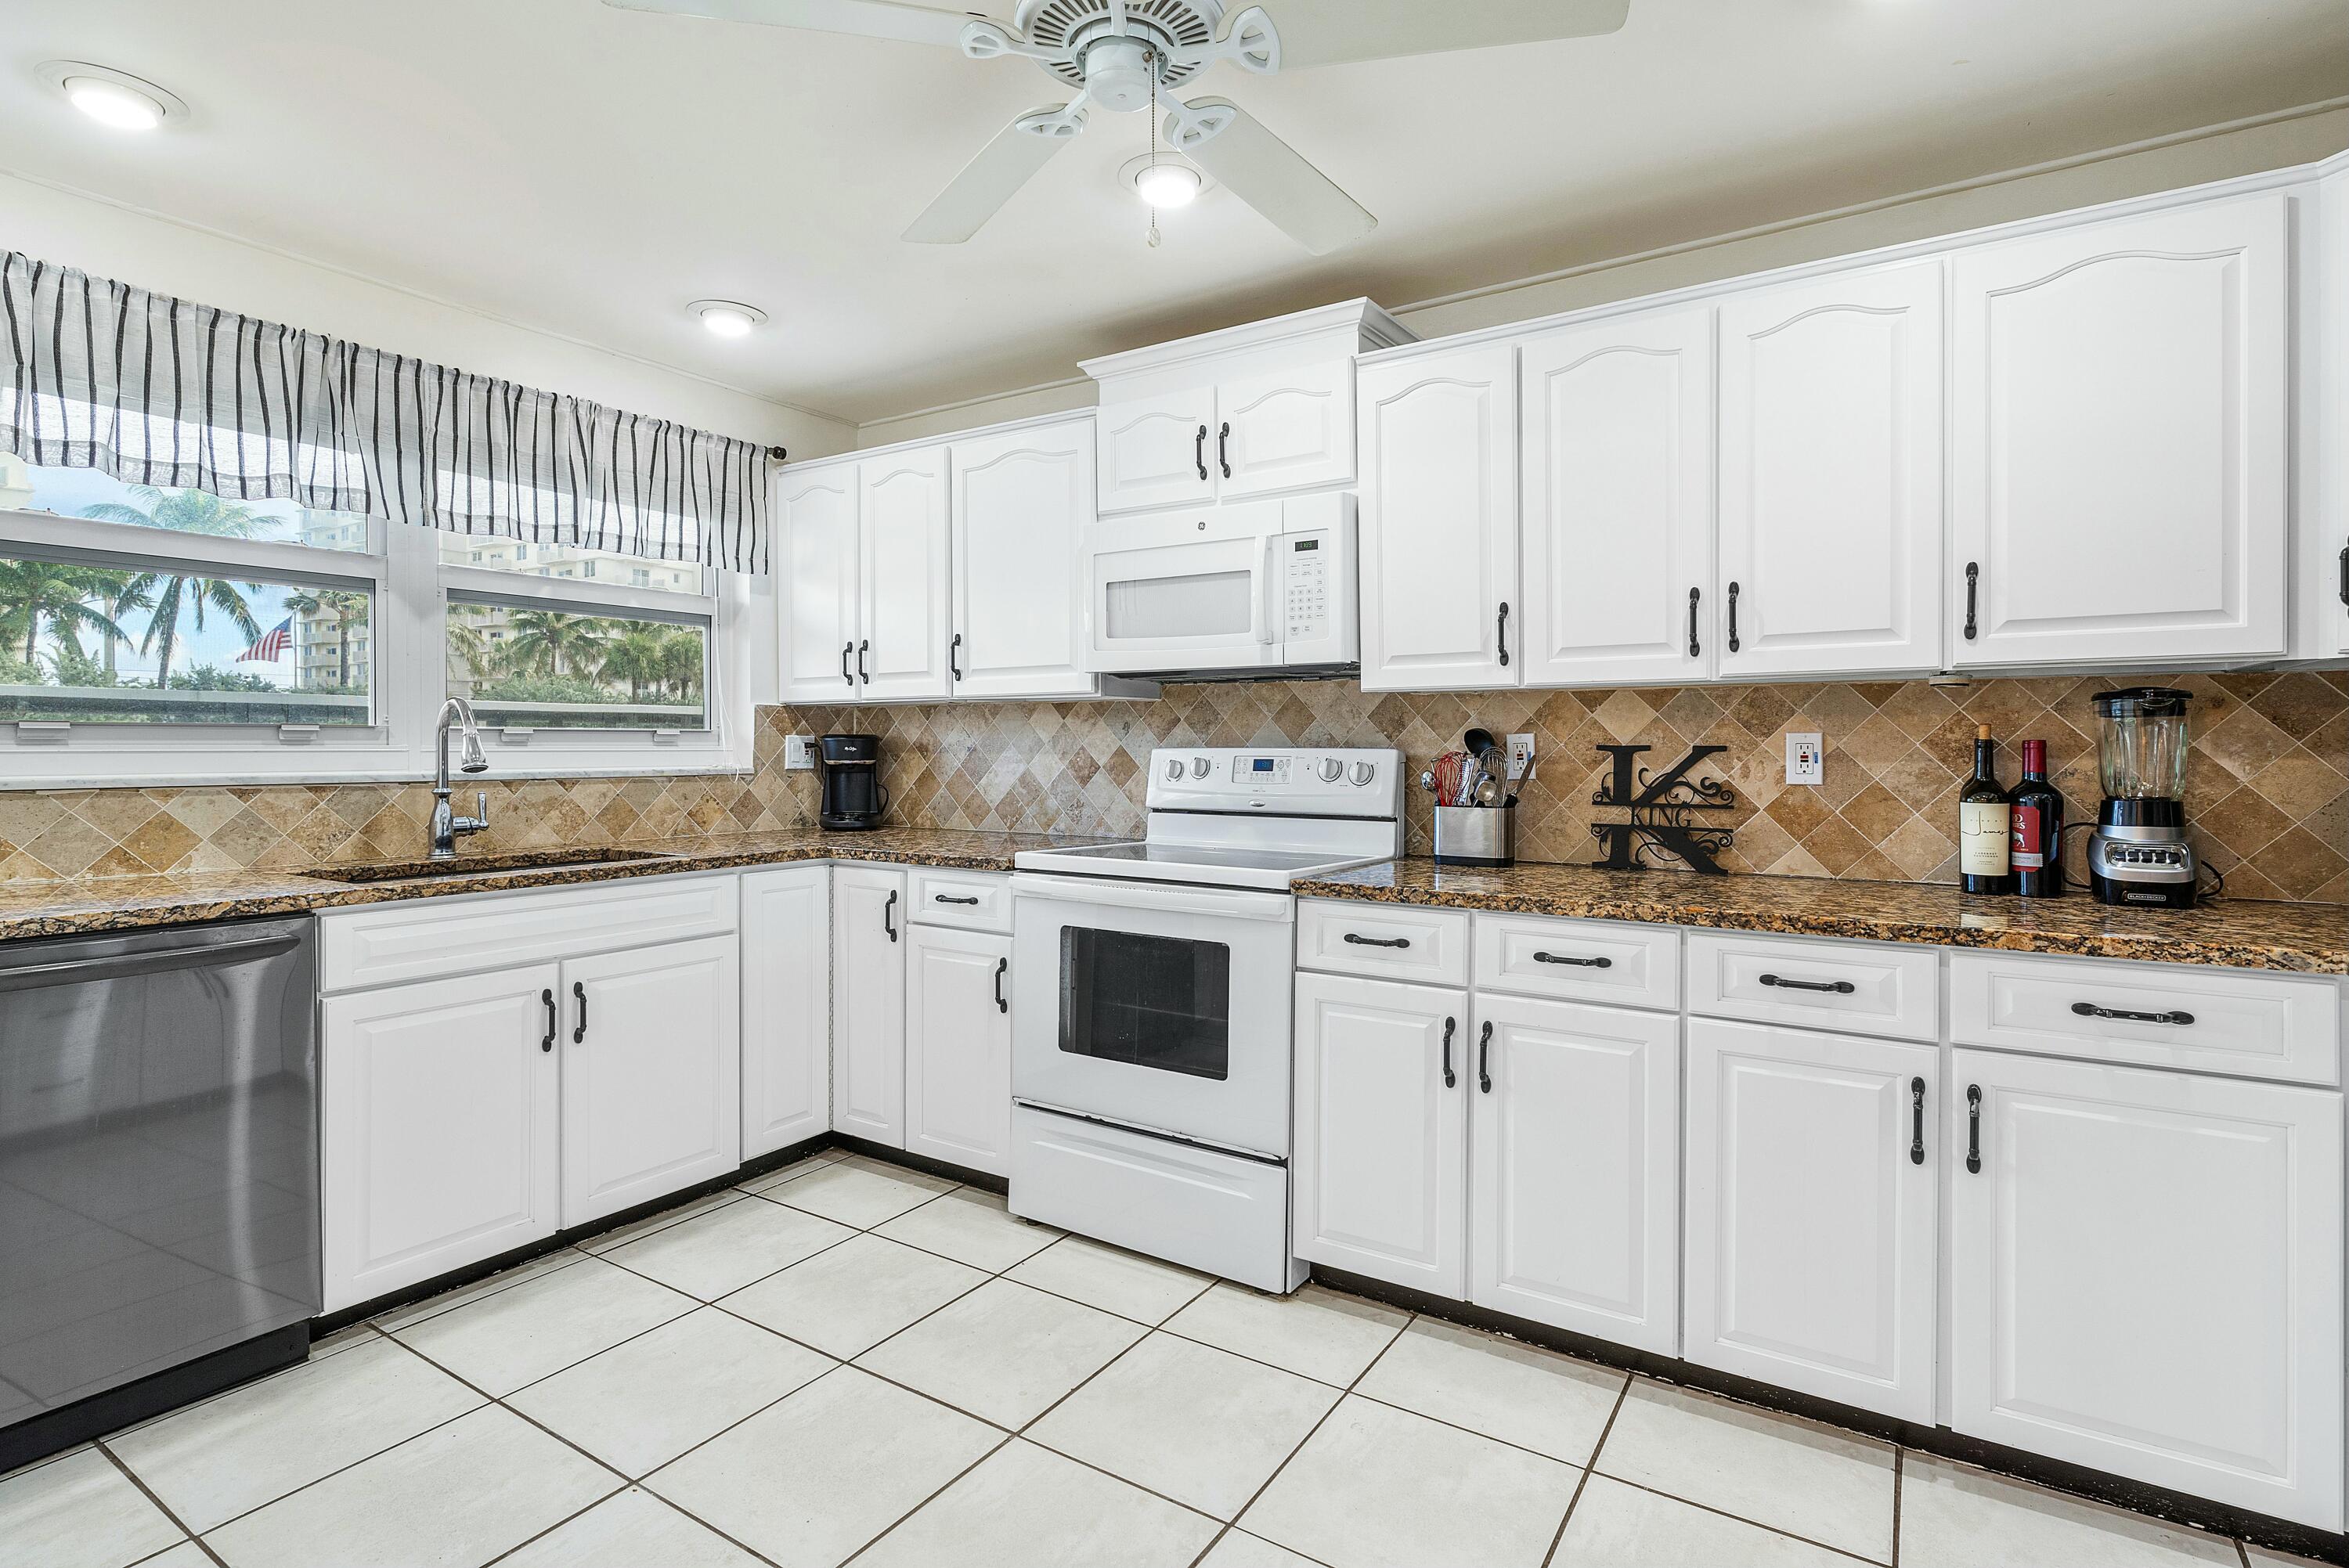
{"x":2139,"y":855}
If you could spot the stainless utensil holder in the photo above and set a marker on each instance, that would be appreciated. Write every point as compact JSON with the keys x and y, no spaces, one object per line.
{"x":1476,"y":835}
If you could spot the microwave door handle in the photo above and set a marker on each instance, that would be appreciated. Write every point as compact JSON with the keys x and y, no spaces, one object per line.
{"x":1269,"y":590}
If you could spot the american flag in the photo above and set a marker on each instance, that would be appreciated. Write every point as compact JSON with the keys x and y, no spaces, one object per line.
{"x":272,"y":646}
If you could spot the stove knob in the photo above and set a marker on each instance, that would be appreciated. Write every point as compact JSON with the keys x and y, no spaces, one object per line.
{"x":1174,"y":768}
{"x":1199,"y":766}
{"x":1364,"y":772}
{"x":1330,"y":769}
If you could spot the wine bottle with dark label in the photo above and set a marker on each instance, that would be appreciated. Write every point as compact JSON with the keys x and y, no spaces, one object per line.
{"x":1985,"y":825}
{"x":2038,"y":831}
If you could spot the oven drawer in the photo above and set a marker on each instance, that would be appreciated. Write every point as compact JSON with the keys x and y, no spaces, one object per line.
{"x":1866,"y":987}
{"x":1385,"y":940}
{"x":1606,"y":961}
{"x":973,"y":900}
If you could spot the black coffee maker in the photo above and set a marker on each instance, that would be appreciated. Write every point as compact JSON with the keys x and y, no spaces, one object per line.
{"x":852,"y":797}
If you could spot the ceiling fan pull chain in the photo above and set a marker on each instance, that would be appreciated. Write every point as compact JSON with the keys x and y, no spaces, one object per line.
{"x":1153,"y":61}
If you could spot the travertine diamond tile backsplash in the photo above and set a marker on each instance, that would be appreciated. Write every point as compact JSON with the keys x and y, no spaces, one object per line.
{"x":2269,"y":783}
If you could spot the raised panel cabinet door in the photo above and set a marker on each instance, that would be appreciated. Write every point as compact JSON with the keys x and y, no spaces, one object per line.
{"x":786,"y":1007}
{"x":1439,"y":522}
{"x":2329,"y":540}
{"x":2121,"y":464}
{"x":1810,"y":1239}
{"x":652,"y":1073}
{"x":439,"y":1127}
{"x":1284,"y":431}
{"x":958,"y":1046}
{"x":1573,"y":1169}
{"x":868,"y":1016}
{"x":1157,"y":450}
{"x":1616,"y":453}
{"x":1831,"y":484}
{"x":1021,"y":501}
{"x":2149,"y":1276}
{"x":1379,"y":1177}
{"x":905,"y":570}
{"x":816,"y":525}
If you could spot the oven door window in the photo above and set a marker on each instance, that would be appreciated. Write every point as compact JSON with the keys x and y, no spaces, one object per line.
{"x":1146,"y":1001}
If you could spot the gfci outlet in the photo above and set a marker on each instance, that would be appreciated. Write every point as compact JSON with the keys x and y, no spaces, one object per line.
{"x":799,"y":753}
{"x":1521,"y":755}
{"x":1806,"y":759}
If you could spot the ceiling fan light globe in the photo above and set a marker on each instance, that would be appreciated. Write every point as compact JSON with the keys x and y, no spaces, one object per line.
{"x":726,"y":317}
{"x":1167,"y":185}
{"x":112,"y":104}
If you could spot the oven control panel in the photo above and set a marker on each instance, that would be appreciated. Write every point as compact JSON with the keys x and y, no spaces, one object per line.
{"x":1304,"y":781}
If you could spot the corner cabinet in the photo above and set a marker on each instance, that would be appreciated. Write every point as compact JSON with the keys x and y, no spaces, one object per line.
{"x":1021,"y":502}
{"x":2121,"y":473}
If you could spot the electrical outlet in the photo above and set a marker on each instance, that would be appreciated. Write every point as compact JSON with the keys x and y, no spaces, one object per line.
{"x":1521,"y":755}
{"x":799,"y":753}
{"x":1806,"y":759}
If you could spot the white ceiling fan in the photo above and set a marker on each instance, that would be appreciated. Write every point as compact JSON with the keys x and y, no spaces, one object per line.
{"x":1124,"y":55}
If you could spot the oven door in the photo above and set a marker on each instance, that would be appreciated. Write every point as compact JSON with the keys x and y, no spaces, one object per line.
{"x":1164,"y":1008}
{"x":1184,"y":590}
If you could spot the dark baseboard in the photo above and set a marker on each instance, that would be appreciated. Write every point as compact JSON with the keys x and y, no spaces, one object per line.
{"x":922,"y":1163}
{"x":2099,"y":1486}
{"x":153,"y":1394}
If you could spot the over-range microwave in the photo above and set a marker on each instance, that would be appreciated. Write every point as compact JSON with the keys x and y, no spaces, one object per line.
{"x":1225,"y":592}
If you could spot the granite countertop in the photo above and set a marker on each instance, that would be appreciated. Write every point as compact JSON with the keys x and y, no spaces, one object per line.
{"x":125,"y":903}
{"x":2306,"y":938}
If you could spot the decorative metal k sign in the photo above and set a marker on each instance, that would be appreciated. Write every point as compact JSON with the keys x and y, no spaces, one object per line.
{"x":1660,"y":830}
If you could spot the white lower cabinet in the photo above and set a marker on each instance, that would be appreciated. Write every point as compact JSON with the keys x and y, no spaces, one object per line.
{"x":1378,"y":1172}
{"x":868,"y":1021}
{"x":439,"y":1127}
{"x":786,"y":1007}
{"x":2147,"y":1276}
{"x":1573,"y":1168}
{"x":1811,"y":1228}
{"x":958,"y":1046}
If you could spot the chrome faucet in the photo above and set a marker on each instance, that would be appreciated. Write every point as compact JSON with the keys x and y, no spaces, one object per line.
{"x":446,"y":828}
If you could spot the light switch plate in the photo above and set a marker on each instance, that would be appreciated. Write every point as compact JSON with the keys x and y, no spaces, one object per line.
{"x":799,"y":753}
{"x":1806,"y":759}
{"x":1521,"y":754}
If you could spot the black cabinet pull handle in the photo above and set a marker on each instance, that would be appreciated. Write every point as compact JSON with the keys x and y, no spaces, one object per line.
{"x":547,"y":996}
{"x":2090,"y":1010}
{"x":1973,"y":1129}
{"x":1571,"y":958}
{"x":1693,"y":643}
{"x":1002,"y":966}
{"x":1377,"y":941}
{"x":2344,"y":575}
{"x":1483,"y":1052}
{"x":1501,"y":632}
{"x":1973,"y":585}
{"x":949,"y":898}
{"x":1916,"y":1121}
{"x":1199,"y":452}
{"x":579,"y":995}
{"x":1840,"y":987}
{"x":1733,"y":617}
{"x":954,"y":656}
{"x":1224,"y":449}
{"x":889,"y":914}
{"x":1450,"y":1079}
{"x":845,"y":650}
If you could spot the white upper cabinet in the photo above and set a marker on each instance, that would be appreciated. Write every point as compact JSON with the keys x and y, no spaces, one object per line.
{"x":1021,"y":501}
{"x":2326,"y":558}
{"x":1616,"y":449}
{"x":906,"y":602}
{"x":1291,"y":429}
{"x":1154,"y":449}
{"x":1831,"y":476}
{"x":1439,"y":522}
{"x":815,"y":524}
{"x":2122,"y":440}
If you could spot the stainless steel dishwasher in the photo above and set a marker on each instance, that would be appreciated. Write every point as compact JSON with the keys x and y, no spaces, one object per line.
{"x":159,"y":1172}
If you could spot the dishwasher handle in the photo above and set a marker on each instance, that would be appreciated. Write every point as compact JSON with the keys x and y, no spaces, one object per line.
{"x":123,"y":966}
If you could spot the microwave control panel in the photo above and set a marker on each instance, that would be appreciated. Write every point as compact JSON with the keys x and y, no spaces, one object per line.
{"x":1305,"y":572}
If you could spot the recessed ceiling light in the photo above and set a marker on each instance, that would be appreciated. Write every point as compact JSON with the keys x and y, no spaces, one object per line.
{"x":726,"y":317}
{"x":1165,"y":181}
{"x":113,"y":98}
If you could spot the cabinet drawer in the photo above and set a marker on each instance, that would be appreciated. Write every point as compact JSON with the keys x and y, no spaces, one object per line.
{"x":1875,"y":989}
{"x":1579,"y":960}
{"x":975,"y":901}
{"x":2249,"y":1024}
{"x":1393,"y":942}
{"x":457,"y":935}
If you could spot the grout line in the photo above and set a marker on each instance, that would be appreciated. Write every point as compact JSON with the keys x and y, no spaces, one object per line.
{"x":927,"y":1501}
{"x":1900,"y":1478}
{"x":1590,"y":1469}
{"x":148,"y":1493}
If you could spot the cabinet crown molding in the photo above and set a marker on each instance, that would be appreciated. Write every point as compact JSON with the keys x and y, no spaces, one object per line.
{"x":1368,"y":325}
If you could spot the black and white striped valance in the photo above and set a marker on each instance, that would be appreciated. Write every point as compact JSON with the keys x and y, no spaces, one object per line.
{"x":154,"y":390}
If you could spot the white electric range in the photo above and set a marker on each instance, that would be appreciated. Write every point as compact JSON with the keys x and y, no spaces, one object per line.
{"x":1155,"y":987}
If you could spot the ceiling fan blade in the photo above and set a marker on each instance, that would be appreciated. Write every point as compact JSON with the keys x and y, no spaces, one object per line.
{"x":864,"y":18}
{"x":1269,"y":175}
{"x":991,"y":178}
{"x":1334,"y":32}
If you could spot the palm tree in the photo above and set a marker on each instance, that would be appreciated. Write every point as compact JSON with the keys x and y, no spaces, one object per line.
{"x":35,"y":590}
{"x":682,"y":661}
{"x":638,"y":655}
{"x":163,"y":625}
{"x":186,"y":511}
{"x":345,"y":608}
{"x":468,"y":644}
{"x":544,"y":640}
{"x":125,"y":592}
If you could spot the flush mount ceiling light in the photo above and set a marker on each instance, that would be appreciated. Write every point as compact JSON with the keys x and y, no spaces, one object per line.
{"x":726,"y":317}
{"x":113,"y":98}
{"x":1164,"y":181}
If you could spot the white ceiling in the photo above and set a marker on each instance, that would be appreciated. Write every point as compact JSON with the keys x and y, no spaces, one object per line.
{"x":589,"y":171}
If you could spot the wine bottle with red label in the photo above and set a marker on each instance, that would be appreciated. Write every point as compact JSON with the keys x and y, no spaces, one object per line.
{"x":1985,"y":825}
{"x":2038,"y":827}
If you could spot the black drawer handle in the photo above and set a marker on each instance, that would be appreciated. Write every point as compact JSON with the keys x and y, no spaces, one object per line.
{"x":1733,"y":617}
{"x":547,"y":996}
{"x":862,"y":648}
{"x":949,"y":898}
{"x":579,"y":995}
{"x":888,"y":915}
{"x":1973,"y":586}
{"x":1450,"y":1080}
{"x":1840,"y":987}
{"x":1224,"y":449}
{"x":1355,"y":940}
{"x":1693,"y":645}
{"x":2090,"y":1010}
{"x":1002,"y":966}
{"x":847,"y":651}
{"x":1571,"y":958}
{"x":1501,"y":632}
{"x":1916,"y":1121}
{"x":1973,"y":1129}
{"x":1483,"y":1055}
{"x":1199,"y":452}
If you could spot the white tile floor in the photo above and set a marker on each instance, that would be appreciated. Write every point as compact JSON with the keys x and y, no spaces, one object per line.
{"x":847,"y":1361}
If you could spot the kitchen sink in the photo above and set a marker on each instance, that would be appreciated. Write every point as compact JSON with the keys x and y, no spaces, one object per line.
{"x":478,"y":865}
